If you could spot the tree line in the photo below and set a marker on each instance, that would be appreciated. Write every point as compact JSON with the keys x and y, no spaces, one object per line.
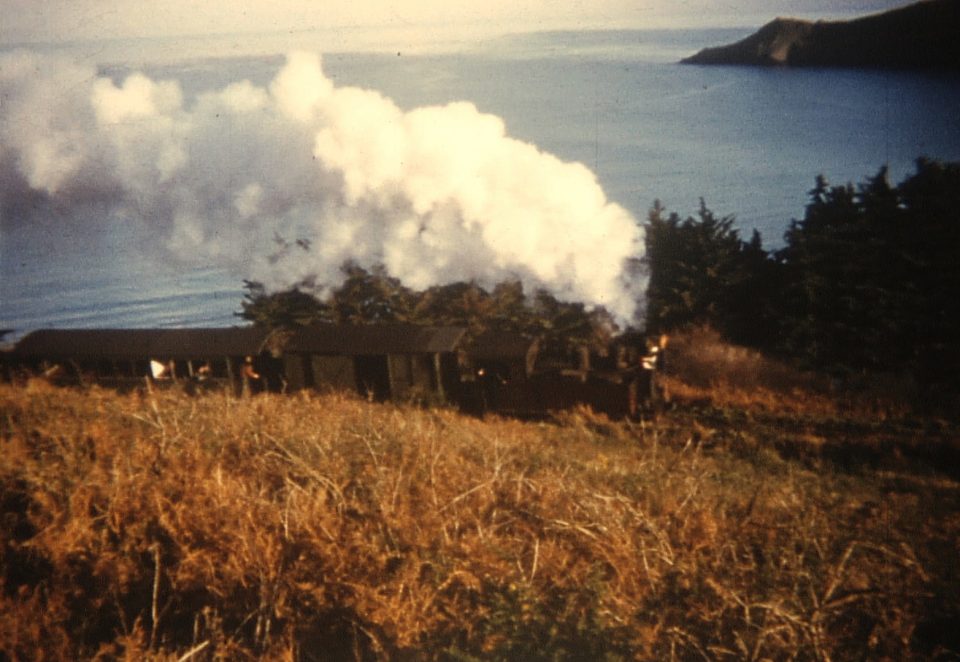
{"x":865,"y":281}
{"x":369,"y":296}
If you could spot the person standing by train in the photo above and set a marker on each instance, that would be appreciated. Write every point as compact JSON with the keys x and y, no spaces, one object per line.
{"x":648,"y":365}
{"x":653,"y":364}
{"x":662,"y":343}
{"x":251,"y":378}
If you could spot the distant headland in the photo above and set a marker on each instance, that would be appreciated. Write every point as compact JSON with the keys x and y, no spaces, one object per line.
{"x":923,"y":35}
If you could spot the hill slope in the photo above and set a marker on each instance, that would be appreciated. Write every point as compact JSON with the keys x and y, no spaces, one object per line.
{"x":921,"y":35}
{"x":158,"y":526}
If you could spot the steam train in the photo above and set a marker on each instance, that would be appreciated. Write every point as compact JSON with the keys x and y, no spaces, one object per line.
{"x":494,"y":372}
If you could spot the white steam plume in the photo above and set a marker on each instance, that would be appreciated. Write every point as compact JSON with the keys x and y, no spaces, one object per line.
{"x":436,"y":194}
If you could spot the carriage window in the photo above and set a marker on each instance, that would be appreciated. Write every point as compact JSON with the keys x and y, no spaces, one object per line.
{"x":218,"y":369}
{"x":180,"y":370}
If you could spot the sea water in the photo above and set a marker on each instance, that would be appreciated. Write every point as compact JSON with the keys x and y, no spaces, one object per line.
{"x":748,"y":141}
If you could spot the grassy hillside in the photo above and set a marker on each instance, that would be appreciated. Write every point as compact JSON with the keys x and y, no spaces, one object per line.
{"x":751,"y":520}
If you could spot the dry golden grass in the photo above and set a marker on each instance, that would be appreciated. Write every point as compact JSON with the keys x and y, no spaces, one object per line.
{"x":164,"y":527}
{"x":704,"y":368}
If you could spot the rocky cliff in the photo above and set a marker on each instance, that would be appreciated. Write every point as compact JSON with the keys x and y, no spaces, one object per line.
{"x":919,"y":36}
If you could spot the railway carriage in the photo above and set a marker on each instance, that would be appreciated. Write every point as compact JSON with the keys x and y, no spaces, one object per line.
{"x":495,"y":372}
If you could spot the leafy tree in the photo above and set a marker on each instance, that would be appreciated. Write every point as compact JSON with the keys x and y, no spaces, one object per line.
{"x":867,"y":279}
{"x":456,"y":304}
{"x":826,"y":298}
{"x":363,"y":297}
{"x":560,"y":322}
{"x":701,"y":272}
{"x":751,"y":295}
{"x":930,"y":203}
{"x":872,"y":275}
{"x":287,"y":309}
{"x":373,"y":296}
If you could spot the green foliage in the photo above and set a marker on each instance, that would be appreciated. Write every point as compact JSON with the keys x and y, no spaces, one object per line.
{"x":368,"y":297}
{"x":865,"y":283}
{"x":288,"y":308}
{"x":702,"y":273}
{"x":872,"y":275}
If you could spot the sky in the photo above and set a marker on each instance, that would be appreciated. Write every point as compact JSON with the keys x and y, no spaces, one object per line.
{"x":389,"y":23}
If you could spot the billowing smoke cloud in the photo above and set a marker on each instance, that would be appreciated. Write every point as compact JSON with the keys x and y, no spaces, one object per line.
{"x":436,"y":194}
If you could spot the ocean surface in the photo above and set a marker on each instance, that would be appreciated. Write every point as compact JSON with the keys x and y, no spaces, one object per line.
{"x":749,"y":141}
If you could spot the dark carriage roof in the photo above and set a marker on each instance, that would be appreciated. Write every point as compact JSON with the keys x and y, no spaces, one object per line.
{"x":131,"y":344}
{"x":127,"y":344}
{"x":375,"y":339}
{"x":492,"y":345}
